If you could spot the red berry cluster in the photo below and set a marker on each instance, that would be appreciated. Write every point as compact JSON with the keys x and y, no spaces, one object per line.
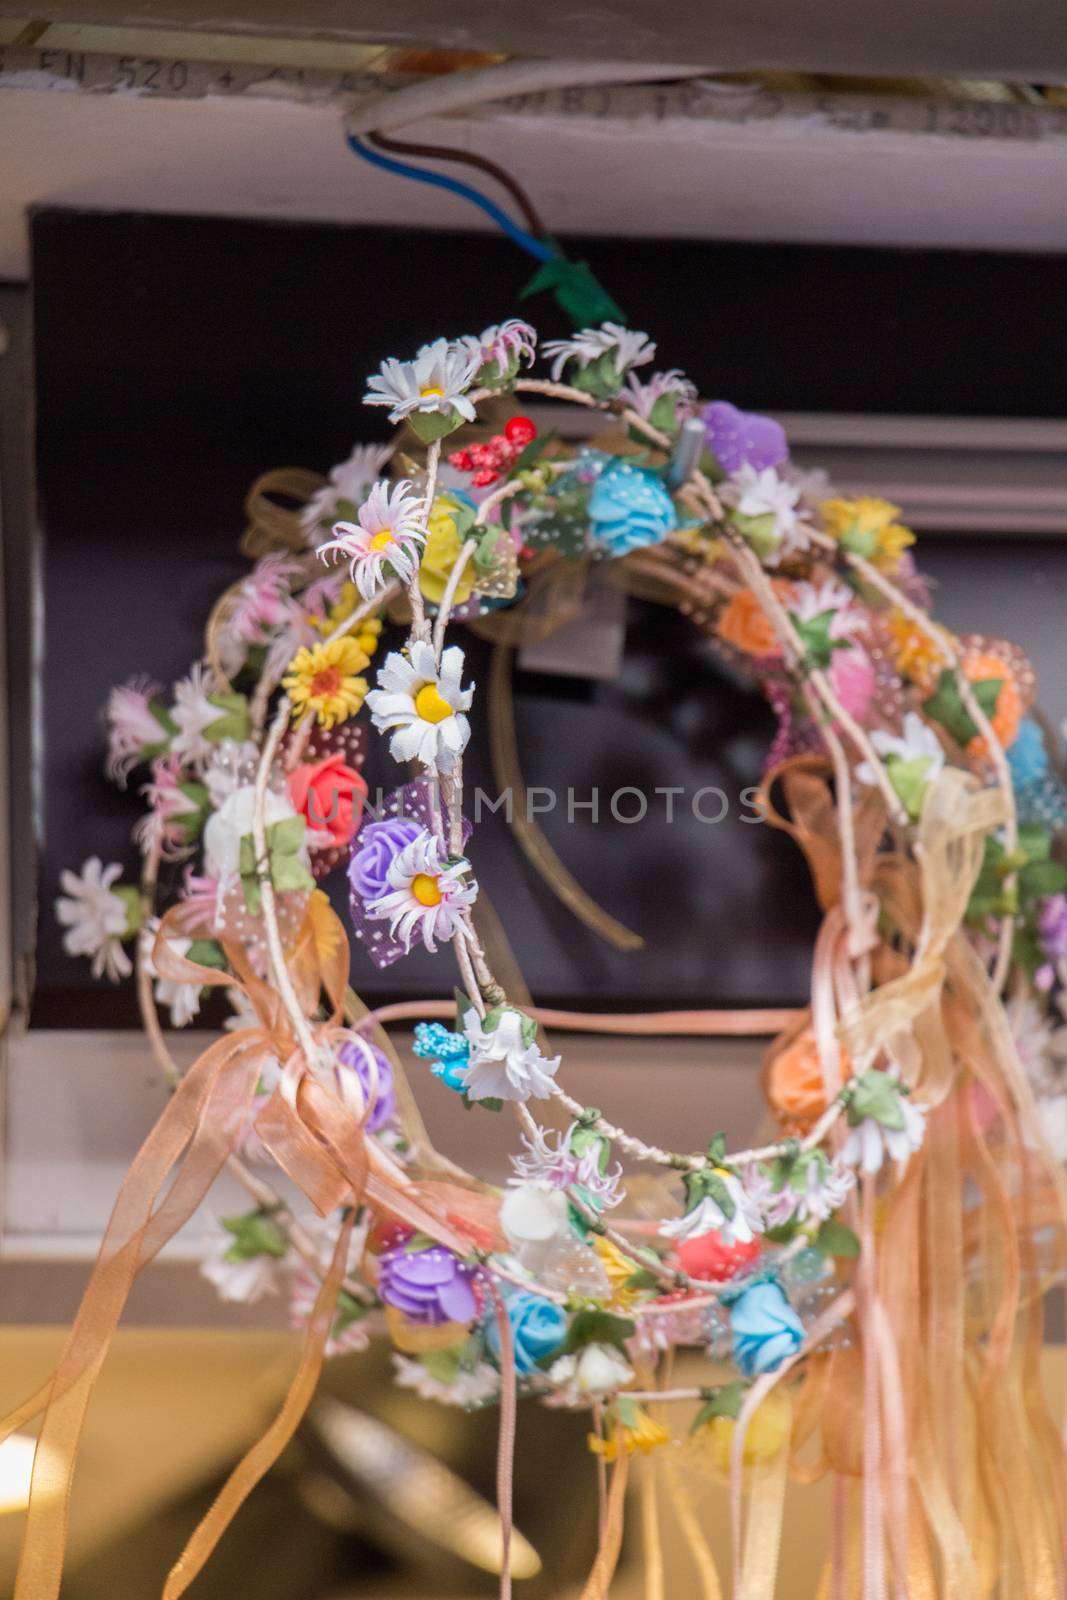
{"x":488,"y":462}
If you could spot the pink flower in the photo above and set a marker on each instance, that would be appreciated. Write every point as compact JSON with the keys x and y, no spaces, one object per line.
{"x":170,"y":813}
{"x":263,"y":600}
{"x":134,"y":732}
{"x":852,"y":679}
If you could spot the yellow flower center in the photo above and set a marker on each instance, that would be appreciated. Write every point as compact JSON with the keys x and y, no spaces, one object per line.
{"x":430,"y":705}
{"x":426,"y":394}
{"x":425,"y":889}
{"x":383,"y":540}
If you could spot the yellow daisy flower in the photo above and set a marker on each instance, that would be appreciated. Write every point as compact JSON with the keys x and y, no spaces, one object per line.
{"x":868,"y":527}
{"x":368,"y":629}
{"x":443,"y":545}
{"x":639,"y":1433}
{"x":322,"y":681}
{"x":618,"y":1269}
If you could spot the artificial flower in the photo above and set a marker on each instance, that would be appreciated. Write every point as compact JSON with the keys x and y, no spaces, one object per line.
{"x":742,"y":438}
{"x":619,"y":1270}
{"x":829,"y":598}
{"x":853,"y":680}
{"x":430,"y":1286}
{"x":1052,"y":927}
{"x":764,"y":1328}
{"x":765,"y":509}
{"x":232,"y":764}
{"x":435,"y":383}
{"x":613,"y":350}
{"x":629,"y":508}
{"x":446,"y":1052}
{"x":330,"y":795}
{"x":426,"y":894}
{"x":1028,"y":755}
{"x":637,"y":1432}
{"x":97,"y":917}
{"x":664,"y":400}
{"x":531,"y":1214}
{"x":982,"y":666}
{"x":424,"y":705}
{"x":366,"y":631}
{"x":794,"y":1082}
{"x":136,"y":731}
{"x":766,"y":1435}
{"x":502,"y":350}
{"x":232,"y":822}
{"x":717,"y":1199}
{"x":443,"y":545}
{"x":373,"y":1072}
{"x":183,"y":999}
{"x":505,"y":1062}
{"x":912,"y":759}
{"x":596,"y":1370}
{"x":810,"y":1191}
{"x":569,"y":1161}
{"x":384,"y":541}
{"x":347,"y":486}
{"x":743,"y":623}
{"x":242,"y":1258}
{"x":323,"y":681}
{"x":262,"y":600}
{"x":882,"y":1122}
{"x":380,"y":842}
{"x":176,"y":810}
{"x":538,"y":1328}
{"x":868,"y":527}
{"x":466,"y":1388}
{"x":193,"y":713}
{"x":709,"y":1258}
{"x":914,"y":654}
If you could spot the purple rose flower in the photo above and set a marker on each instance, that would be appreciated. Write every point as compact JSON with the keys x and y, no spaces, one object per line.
{"x":429,"y":1286}
{"x":374,"y":1071}
{"x":742,"y":438}
{"x":379,"y":843}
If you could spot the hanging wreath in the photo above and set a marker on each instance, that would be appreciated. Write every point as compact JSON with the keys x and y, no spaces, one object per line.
{"x":872,"y":1277}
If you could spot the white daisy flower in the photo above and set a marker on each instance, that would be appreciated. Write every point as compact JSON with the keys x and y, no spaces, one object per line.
{"x":918,"y":742}
{"x":425,"y":706}
{"x":505,"y":1062}
{"x":707,"y":1215}
{"x":238,"y":1281}
{"x":427,"y":895}
{"x":627,"y":349}
{"x":870,"y":1140}
{"x":388,"y":532}
{"x":348,"y":481}
{"x":95,"y":917}
{"x":193,"y":712}
{"x":133,"y":731}
{"x":761,"y":492}
{"x":596,"y":1370}
{"x":467,"y":1389}
{"x":436,"y":381}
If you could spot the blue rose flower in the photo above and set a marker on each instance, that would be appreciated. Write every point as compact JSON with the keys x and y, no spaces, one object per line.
{"x":1027,"y":757}
{"x":446,"y":1052}
{"x":629,"y":507}
{"x":765,"y":1329}
{"x":538,"y":1327}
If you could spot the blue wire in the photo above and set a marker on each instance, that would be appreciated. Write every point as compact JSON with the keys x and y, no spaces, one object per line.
{"x":519,"y":236}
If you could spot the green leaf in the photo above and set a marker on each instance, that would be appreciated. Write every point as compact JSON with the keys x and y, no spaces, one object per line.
{"x":642,"y":1279}
{"x":207,"y":953}
{"x":834,"y":1239}
{"x":131,"y":899}
{"x":234,"y":723}
{"x":1035,"y":841}
{"x":431,"y":425}
{"x":910,"y":780}
{"x":284,"y":840}
{"x":256,"y":1233}
{"x":876,"y":1095}
{"x":946,"y":706}
{"x":349,"y":1311}
{"x":593,"y":1326}
{"x":531,"y":453}
{"x":485,"y":554}
{"x":165,"y":720}
{"x":417,"y":1242}
{"x":1039,"y":879}
{"x":815,"y":633}
{"x":722,"y":1402}
{"x":444,"y":1365}
{"x":664,"y":413}
{"x":717,"y":1149}
{"x":758,"y":532}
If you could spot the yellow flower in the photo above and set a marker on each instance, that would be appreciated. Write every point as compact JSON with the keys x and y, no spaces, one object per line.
{"x":322,"y":681}
{"x":639,"y":1433}
{"x":766,"y":1435}
{"x":443,"y":545}
{"x":915,"y":655}
{"x":368,"y":629}
{"x":618,"y":1269}
{"x":868,"y":527}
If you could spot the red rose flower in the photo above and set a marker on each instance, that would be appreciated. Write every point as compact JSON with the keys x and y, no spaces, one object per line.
{"x":330,"y":795}
{"x":707,"y":1258}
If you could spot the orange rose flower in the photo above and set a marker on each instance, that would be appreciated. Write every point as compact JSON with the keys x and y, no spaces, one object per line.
{"x":330,"y":795}
{"x":793,"y":1083}
{"x":744,"y":624}
{"x":979,"y":667}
